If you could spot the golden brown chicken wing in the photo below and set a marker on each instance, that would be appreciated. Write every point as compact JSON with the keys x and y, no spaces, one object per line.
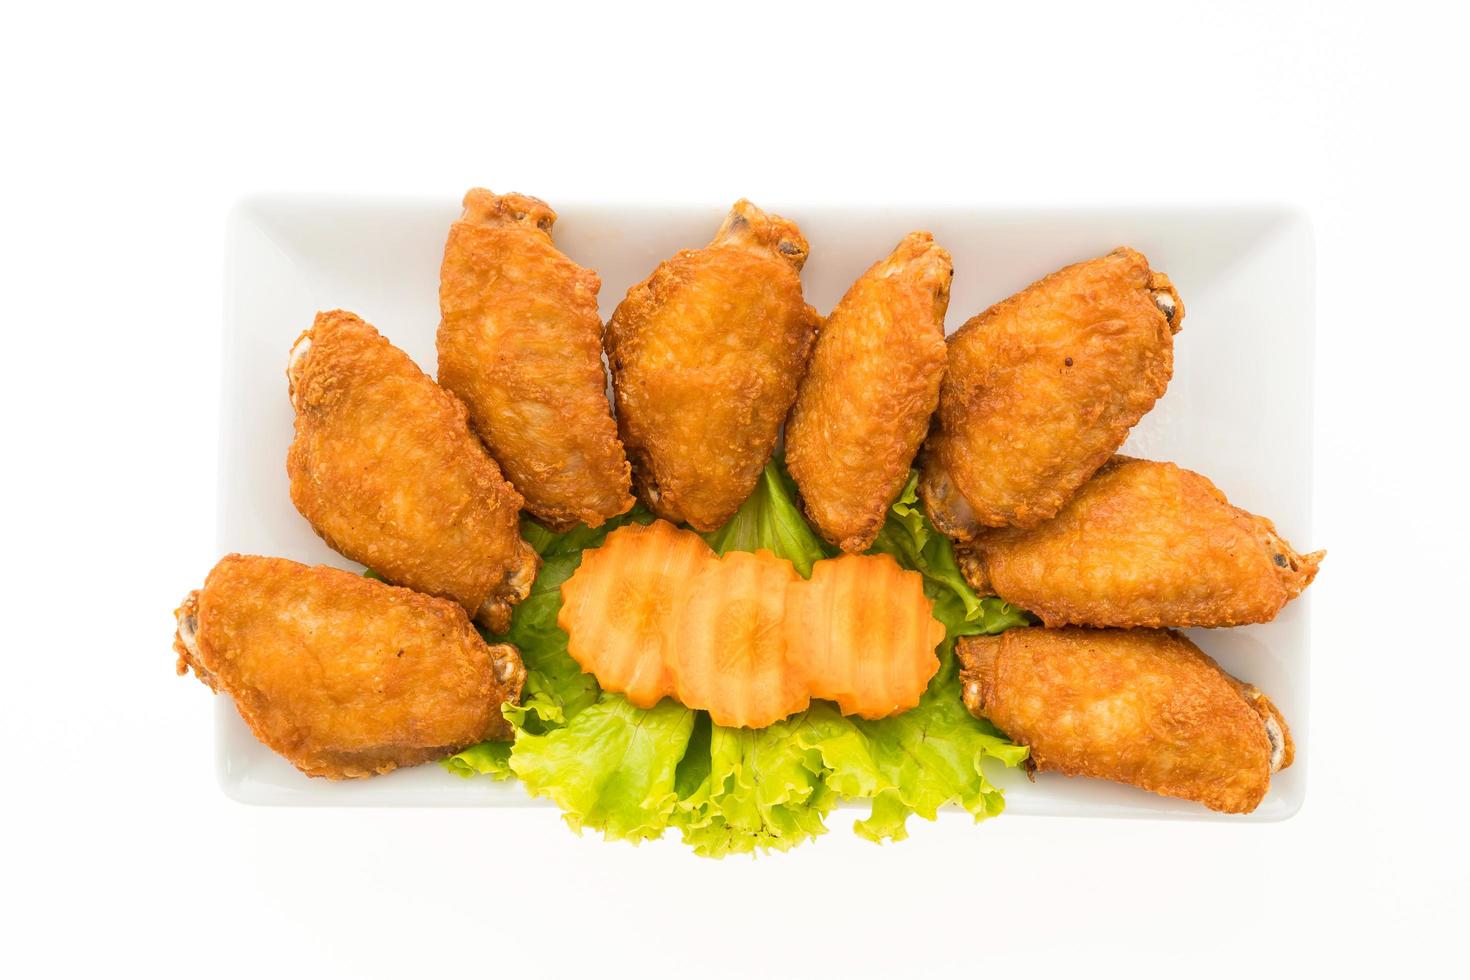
{"x":520,"y":343}
{"x":864,"y":406}
{"x":344,"y":676}
{"x":1043,"y":387}
{"x":706,"y":355}
{"x":1143,"y":707}
{"x":1143,"y":544}
{"x":385,"y":468}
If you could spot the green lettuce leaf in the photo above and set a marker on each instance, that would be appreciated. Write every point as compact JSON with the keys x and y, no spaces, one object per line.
{"x":486,"y":759}
{"x":631,"y":773}
{"x":921,"y":760}
{"x":770,"y":519}
{"x":757,"y":791}
{"x":908,"y":536}
{"x":612,"y":768}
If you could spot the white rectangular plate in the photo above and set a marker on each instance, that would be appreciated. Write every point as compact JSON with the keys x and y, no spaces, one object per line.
{"x":1238,"y":408}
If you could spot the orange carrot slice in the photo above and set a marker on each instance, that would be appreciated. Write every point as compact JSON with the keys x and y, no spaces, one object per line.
{"x":620,"y":606}
{"x":730,"y":655}
{"x":653,"y":613}
{"x":863,"y":633}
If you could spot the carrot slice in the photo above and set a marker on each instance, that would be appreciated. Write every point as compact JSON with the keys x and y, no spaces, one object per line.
{"x":863,"y":634}
{"x":730,"y":655}
{"x":653,"y":613}
{"x":620,"y":606}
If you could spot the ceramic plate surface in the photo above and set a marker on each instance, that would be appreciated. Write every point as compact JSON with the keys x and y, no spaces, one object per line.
{"x":1238,"y":409}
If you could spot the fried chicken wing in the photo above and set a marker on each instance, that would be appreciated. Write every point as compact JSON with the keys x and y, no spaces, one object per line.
{"x":864,"y":406}
{"x":342,"y":675}
{"x":1143,"y":544}
{"x":520,"y":343}
{"x":1043,"y":387}
{"x":1143,"y":707}
{"x":706,"y":355}
{"x":386,"y":470}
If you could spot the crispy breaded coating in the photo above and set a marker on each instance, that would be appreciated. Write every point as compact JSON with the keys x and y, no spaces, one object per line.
{"x":706,"y":355}
{"x":1043,"y":387}
{"x":342,"y":675}
{"x":385,"y":468}
{"x":864,"y":406}
{"x":1143,"y":544}
{"x":520,"y":343}
{"x":1143,"y":707}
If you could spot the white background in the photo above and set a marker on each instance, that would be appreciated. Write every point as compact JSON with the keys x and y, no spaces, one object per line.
{"x":129,"y":130}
